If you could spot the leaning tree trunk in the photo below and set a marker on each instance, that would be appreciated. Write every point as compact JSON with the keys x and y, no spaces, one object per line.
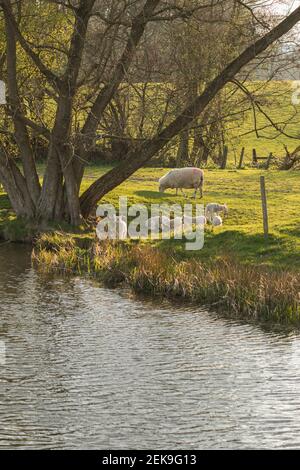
{"x":15,"y":108}
{"x":57,"y":199}
{"x":138,"y":157}
{"x":15,"y":185}
{"x":183,"y":149}
{"x":51,"y":200}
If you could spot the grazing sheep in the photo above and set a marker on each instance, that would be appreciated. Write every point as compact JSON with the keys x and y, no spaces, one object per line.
{"x":101,"y":234}
{"x":200,"y":220}
{"x":185,"y":222}
{"x":217,"y":221}
{"x":121,"y":228}
{"x":158,"y":223}
{"x":215,"y":209}
{"x":176,"y":223}
{"x":187,"y":178}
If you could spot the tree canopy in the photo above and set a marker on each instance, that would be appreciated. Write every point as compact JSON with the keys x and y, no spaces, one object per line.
{"x":69,"y":67}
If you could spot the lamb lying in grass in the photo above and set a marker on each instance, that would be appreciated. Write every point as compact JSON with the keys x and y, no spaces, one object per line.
{"x":217,"y":221}
{"x":213,"y":209}
{"x":160,"y":223}
{"x":163,"y":224}
{"x":183,"y":178}
{"x":187,"y":221}
{"x":199,"y":220}
{"x":103,"y":232}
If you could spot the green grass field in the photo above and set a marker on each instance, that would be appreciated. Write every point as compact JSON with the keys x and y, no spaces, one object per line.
{"x":240,"y":121}
{"x":245,"y":125}
{"x":242,"y":234}
{"x":276,"y":101}
{"x":237,"y":272}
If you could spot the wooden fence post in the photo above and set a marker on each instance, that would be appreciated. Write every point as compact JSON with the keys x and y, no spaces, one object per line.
{"x":269,"y":159}
{"x":264,"y":206}
{"x":241,"y":158}
{"x":254,"y":157}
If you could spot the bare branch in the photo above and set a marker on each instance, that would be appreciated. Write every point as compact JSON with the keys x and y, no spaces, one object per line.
{"x":138,"y":157}
{"x":138,"y":27}
{"x":51,"y":77}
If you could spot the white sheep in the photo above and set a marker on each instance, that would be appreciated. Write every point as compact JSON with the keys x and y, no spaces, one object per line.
{"x":121,"y":228}
{"x":179,"y":178}
{"x":176,"y":223}
{"x":187,"y":221}
{"x":213,"y":209}
{"x":120,"y":224}
{"x":158,"y":223}
{"x":199,"y":220}
{"x":217,"y":221}
{"x":101,"y":234}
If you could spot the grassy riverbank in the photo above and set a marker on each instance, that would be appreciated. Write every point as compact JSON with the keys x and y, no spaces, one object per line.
{"x":251,"y":293}
{"x":242,"y":234}
{"x":237,"y":271}
{"x":241,"y":237}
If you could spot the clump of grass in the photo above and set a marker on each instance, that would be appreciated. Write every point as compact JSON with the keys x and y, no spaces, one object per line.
{"x":63,"y":253}
{"x":237,"y":290}
{"x":57,"y":251}
{"x":242,"y":233}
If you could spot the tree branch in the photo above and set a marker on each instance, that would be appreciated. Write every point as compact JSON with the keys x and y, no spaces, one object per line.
{"x":138,"y":157}
{"x":15,"y":108}
{"x":83,"y":13}
{"x":50,"y":76}
{"x":139,"y":24}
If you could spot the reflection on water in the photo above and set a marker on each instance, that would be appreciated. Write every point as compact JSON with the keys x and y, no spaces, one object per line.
{"x":88,"y":367}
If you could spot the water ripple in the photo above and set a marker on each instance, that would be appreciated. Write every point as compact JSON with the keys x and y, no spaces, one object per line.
{"x":89,"y":367}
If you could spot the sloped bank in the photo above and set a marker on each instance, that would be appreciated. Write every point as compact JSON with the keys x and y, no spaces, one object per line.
{"x":251,"y":293}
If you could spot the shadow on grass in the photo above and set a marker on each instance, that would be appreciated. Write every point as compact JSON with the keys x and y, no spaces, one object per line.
{"x":169,"y":195}
{"x":245,"y":248}
{"x":293,"y":231}
{"x":154,"y":194}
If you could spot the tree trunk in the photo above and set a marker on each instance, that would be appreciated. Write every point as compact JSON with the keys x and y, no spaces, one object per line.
{"x":21,"y":134}
{"x":183,"y":149}
{"x":197,"y":149}
{"x":60,"y":192}
{"x":15,"y":185}
{"x":48,"y":208}
{"x":61,"y":157}
{"x":137,"y":158}
{"x":62,"y":163}
{"x":103,"y":99}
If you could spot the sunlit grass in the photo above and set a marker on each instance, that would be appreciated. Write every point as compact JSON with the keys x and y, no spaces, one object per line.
{"x":239,"y":291}
{"x":242,"y":234}
{"x":237,"y":272}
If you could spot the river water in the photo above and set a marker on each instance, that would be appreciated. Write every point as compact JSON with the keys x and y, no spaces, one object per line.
{"x":88,"y":367}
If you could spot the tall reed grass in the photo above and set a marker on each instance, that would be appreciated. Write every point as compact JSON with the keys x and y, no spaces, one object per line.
{"x":237,"y":290}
